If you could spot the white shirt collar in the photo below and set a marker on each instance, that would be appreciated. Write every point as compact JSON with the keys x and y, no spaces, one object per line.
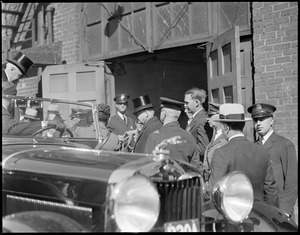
{"x":218,"y":133}
{"x":267,"y":136}
{"x":237,"y":135}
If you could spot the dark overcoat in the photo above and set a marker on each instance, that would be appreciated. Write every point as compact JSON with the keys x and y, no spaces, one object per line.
{"x":12,"y":127}
{"x":150,"y":126}
{"x":285,"y":167}
{"x":196,"y":128}
{"x":186,"y":151}
{"x":239,"y":154}
{"x":118,"y":126}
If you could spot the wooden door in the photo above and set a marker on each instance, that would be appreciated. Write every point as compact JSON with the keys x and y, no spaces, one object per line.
{"x":229,"y":72}
{"x":91,"y":82}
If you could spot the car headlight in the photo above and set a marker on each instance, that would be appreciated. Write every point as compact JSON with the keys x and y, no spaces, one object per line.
{"x":233,"y":196}
{"x":137,"y":204}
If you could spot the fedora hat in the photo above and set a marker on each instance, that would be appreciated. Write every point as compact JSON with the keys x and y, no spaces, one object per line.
{"x":232,"y":113}
{"x":141,"y":103}
{"x":213,"y":108}
{"x":171,"y":104}
{"x":31,"y":113}
{"x":122,"y":98}
{"x":260,"y":110}
{"x":22,"y":62}
{"x":8,"y":88}
{"x":53,"y":108}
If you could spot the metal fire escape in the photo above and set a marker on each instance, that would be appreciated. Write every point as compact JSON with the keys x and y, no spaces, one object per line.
{"x":28,"y":27}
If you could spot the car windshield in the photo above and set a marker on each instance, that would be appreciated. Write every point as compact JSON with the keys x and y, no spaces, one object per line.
{"x":77,"y":116}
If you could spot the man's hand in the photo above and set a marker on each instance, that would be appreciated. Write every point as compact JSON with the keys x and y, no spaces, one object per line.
{"x":61,"y":127}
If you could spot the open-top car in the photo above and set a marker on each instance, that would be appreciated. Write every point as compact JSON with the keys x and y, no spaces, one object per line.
{"x":67,"y":183}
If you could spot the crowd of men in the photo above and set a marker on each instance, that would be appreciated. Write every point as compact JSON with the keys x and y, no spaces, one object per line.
{"x":270,"y":162}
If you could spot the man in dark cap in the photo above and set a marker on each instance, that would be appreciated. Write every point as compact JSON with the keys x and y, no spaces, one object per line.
{"x":121,"y":123}
{"x":240,"y":154}
{"x":187,"y":150}
{"x":218,"y":139}
{"x":144,"y":111}
{"x":283,"y":155}
{"x":10,"y":126}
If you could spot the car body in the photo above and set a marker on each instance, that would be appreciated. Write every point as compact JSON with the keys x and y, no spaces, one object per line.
{"x":60,"y":184}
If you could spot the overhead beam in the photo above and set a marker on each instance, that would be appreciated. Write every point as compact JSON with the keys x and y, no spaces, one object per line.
{"x":12,"y":12}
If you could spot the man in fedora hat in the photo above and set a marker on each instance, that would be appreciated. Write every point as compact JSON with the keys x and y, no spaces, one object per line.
{"x":10,"y":126}
{"x":30,"y":115}
{"x":197,"y":126}
{"x":143,"y":109}
{"x":240,"y":154}
{"x":170,"y":111}
{"x":283,"y":155}
{"x":122,"y":123}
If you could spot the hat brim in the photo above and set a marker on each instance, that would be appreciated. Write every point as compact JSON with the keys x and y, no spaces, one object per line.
{"x":142,"y":108}
{"x":233,"y":120}
{"x":19,"y":67}
{"x":29,"y":117}
{"x":262,"y":115}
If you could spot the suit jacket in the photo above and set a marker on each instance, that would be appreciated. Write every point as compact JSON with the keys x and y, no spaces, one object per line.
{"x":211,"y":147}
{"x":12,"y":127}
{"x":239,"y":154}
{"x":187,"y":151}
{"x":153,"y":124}
{"x":118,"y":126}
{"x":196,"y":128}
{"x":285,"y":167}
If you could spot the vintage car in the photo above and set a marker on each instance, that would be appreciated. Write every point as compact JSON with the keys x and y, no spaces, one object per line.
{"x":69,"y":184}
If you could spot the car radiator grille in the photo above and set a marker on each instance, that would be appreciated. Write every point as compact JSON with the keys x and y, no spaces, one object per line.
{"x":83,"y":215}
{"x":180,"y":200}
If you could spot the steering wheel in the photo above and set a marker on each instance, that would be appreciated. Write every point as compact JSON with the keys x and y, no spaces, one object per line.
{"x":50,"y":127}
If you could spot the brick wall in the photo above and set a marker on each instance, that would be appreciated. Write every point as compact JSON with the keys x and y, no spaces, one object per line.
{"x":66,"y":22}
{"x":275,"y":39}
{"x":275,"y":42}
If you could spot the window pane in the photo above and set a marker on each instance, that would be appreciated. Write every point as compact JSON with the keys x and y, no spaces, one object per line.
{"x":215,"y":96}
{"x":214,"y":63}
{"x":227,"y":58}
{"x":228,"y":93}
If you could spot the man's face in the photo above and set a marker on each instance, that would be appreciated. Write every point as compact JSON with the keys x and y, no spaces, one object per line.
{"x":225,"y":130}
{"x":15,"y":74}
{"x":190,"y":104}
{"x":263,"y":125}
{"x":142,"y":116}
{"x":122,"y":107}
{"x":162,"y":114}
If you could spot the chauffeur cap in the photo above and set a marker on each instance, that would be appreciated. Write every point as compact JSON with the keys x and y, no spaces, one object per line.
{"x":22,"y":62}
{"x":261,"y":110}
{"x":122,"y":98}
{"x":171,"y":104}
{"x":213,"y":108}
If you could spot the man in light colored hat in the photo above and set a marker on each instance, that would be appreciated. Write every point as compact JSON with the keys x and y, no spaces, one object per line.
{"x":53,"y":114}
{"x":187,"y":151}
{"x":121,"y":122}
{"x":10,"y":126}
{"x":240,"y":154}
{"x":30,"y":115}
{"x":283,"y":155}
{"x":144,"y":111}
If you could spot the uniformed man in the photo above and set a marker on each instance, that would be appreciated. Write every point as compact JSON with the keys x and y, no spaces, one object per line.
{"x":187,"y":150}
{"x":283,"y":155}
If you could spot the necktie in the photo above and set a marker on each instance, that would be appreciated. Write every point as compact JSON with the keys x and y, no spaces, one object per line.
{"x":124,"y":118}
